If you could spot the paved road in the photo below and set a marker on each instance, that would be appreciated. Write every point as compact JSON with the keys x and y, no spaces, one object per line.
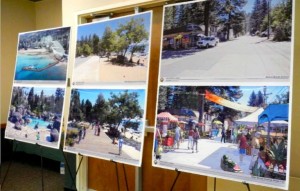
{"x":245,"y":58}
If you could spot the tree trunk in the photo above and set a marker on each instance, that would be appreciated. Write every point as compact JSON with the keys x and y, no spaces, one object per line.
{"x":206,"y":17}
{"x":228,"y":26}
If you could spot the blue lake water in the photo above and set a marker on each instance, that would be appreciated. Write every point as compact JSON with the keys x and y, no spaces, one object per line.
{"x":41,"y":123}
{"x":57,"y":72}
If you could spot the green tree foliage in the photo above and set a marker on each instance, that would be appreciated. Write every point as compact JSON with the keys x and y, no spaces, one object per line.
{"x":162,"y":98}
{"x":169,"y":21}
{"x":282,"y":21}
{"x":192,"y":97}
{"x":86,"y":50}
{"x":112,"y":111}
{"x":124,"y":105}
{"x":182,"y":15}
{"x":96,"y":44}
{"x":132,"y":34}
{"x":259,"y":16}
{"x":230,"y":15}
{"x":100,"y":109}
{"x":75,"y":110}
{"x":88,"y":110}
{"x":282,"y":98}
{"x":252,"y":99}
{"x":108,"y":40}
{"x":30,"y":97}
{"x":36,"y":103}
{"x":256,"y":100}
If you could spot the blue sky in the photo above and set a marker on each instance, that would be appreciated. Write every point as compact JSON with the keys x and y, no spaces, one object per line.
{"x":92,"y":94}
{"x":99,"y":27}
{"x":274,"y":90}
{"x":249,"y":6}
{"x":37,"y":90}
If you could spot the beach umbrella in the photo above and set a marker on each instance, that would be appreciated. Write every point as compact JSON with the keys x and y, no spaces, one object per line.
{"x":167,"y":116}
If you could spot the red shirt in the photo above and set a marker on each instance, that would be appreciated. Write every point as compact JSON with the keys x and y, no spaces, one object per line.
{"x":191,"y":133}
{"x":243,"y":142}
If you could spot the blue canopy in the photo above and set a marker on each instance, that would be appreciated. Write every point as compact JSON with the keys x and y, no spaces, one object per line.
{"x":274,"y":112}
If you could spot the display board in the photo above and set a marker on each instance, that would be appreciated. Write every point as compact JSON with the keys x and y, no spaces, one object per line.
{"x":224,"y":90}
{"x":38,"y":91}
{"x":109,"y":88}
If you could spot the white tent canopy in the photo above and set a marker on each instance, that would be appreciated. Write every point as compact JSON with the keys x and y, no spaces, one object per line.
{"x":250,"y":119}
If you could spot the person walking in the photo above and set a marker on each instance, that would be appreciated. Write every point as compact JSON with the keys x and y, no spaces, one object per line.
{"x":96,"y":128}
{"x":120,"y":144}
{"x":190,"y":141}
{"x":196,"y":136}
{"x":223,"y":135}
{"x":242,"y":146}
{"x":177,"y":137}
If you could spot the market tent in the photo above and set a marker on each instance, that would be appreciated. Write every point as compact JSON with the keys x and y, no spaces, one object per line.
{"x":250,"y":119}
{"x":166,"y":116}
{"x":274,"y":112}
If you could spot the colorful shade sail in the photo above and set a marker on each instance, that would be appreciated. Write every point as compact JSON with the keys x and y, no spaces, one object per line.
{"x":221,"y":101}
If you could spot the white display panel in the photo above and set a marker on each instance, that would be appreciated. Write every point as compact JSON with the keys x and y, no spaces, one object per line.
{"x":36,"y":107}
{"x":222,"y":65}
{"x":215,"y":41}
{"x":107,"y":124}
{"x":42,"y":56}
{"x":35,"y":115}
{"x":221,"y":115}
{"x":113,"y":51}
{"x":110,"y":78}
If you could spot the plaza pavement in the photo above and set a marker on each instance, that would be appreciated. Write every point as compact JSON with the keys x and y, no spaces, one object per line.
{"x":103,"y":144}
{"x":208,"y":156}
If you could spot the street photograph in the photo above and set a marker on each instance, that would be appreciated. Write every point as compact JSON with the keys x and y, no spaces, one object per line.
{"x":35,"y":115}
{"x":227,"y":40}
{"x":113,"y":51}
{"x":237,"y":132}
{"x":43,"y":55}
{"x":107,"y":124}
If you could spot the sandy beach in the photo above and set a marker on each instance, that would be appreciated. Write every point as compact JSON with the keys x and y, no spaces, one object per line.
{"x":95,"y":69}
{"x":33,"y":51}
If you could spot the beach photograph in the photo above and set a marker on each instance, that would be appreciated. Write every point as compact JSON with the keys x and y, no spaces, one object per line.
{"x":107,"y":124}
{"x":43,"y":55}
{"x":231,"y":132}
{"x":113,"y":51}
{"x":220,"y":40}
{"x":35,"y":115}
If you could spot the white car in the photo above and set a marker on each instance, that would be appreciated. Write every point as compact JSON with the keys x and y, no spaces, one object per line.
{"x":208,"y":41}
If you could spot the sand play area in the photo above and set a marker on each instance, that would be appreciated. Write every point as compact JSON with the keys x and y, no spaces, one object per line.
{"x":97,"y":69}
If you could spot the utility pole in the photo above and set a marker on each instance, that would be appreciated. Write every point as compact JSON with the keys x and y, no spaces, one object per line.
{"x":265,"y":95}
{"x":269,"y":10}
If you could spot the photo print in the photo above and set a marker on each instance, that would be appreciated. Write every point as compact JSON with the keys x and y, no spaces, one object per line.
{"x":107,"y":124}
{"x":221,"y":40}
{"x":231,"y":132}
{"x":42,"y":56}
{"x":113,"y":51}
{"x":35,"y":115}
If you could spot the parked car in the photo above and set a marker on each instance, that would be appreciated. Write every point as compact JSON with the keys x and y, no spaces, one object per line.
{"x":207,"y":42}
{"x":265,"y":33}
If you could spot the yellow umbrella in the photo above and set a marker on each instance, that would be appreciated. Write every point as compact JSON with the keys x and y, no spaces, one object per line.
{"x":218,"y":122}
